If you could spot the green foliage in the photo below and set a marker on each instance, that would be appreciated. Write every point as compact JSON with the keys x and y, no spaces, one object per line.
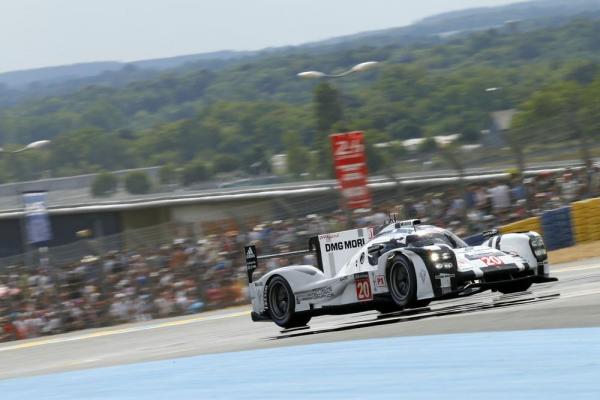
{"x":195,"y":171}
{"x":195,"y":118}
{"x":137,"y":182}
{"x":167,"y":174}
{"x":104,"y":184}
{"x":564,"y":110}
{"x":428,"y":146}
{"x":298,"y":156}
{"x":225,"y":163}
{"x":328,"y":107}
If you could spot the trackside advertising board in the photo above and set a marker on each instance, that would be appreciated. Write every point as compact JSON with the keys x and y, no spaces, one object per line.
{"x":338,"y":248}
{"x":350,"y":165}
{"x":37,"y":222}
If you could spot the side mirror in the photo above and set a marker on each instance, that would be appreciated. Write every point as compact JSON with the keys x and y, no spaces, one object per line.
{"x":374,"y":253}
{"x":375,"y":248}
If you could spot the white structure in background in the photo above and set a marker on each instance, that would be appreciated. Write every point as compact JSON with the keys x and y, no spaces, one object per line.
{"x":414,"y":143}
{"x":279,"y":164}
{"x":501,"y":122}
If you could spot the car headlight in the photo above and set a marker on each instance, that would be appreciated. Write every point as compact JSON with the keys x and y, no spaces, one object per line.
{"x":539,"y":248}
{"x":441,"y":260}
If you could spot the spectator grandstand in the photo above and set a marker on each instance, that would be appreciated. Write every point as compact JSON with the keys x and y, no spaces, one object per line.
{"x":186,"y":274}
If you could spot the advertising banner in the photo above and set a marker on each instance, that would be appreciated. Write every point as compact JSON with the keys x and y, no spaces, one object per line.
{"x":350,"y":165}
{"x":37,"y":222}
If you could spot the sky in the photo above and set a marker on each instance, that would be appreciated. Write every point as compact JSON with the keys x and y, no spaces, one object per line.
{"x":40,"y":33}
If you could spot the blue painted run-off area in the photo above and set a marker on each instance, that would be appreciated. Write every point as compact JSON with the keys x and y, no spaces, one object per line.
{"x":542,"y":364}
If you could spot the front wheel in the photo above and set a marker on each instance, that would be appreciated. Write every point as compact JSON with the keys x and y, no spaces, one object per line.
{"x":514,"y":287}
{"x":282,"y":305}
{"x":402,"y":282}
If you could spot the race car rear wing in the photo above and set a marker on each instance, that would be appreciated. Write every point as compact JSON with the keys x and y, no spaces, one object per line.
{"x":333,"y":250}
{"x":252,"y":256}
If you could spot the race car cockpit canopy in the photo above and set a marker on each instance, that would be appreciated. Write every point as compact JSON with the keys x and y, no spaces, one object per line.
{"x":416,"y":235}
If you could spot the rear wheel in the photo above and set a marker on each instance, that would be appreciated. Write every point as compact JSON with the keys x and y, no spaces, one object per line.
{"x":514,"y":287}
{"x":282,"y":305}
{"x":402,"y":283}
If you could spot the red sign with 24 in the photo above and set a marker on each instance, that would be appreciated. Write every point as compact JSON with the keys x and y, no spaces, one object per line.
{"x":351,"y":168}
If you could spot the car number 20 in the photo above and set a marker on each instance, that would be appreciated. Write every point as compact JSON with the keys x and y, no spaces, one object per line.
{"x":491,"y":261}
{"x":363,"y":289}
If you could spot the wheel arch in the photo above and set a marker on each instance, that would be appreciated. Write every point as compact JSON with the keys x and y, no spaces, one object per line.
{"x":422,"y":273}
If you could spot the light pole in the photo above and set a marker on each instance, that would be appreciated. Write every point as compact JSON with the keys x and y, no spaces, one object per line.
{"x":362,"y":67}
{"x":31,"y":146}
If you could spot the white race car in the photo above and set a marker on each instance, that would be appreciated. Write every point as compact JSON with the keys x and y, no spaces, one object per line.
{"x":403,"y":265}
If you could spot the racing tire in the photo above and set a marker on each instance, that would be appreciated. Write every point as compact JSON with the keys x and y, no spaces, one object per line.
{"x":402,"y":282}
{"x":281,"y":305}
{"x":514,"y":287}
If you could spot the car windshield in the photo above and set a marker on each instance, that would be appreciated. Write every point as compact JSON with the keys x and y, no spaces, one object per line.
{"x":429,"y":238}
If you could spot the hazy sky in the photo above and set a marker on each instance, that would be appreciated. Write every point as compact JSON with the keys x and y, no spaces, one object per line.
{"x":37,"y":33}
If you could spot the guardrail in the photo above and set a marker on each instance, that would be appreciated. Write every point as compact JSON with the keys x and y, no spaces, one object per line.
{"x":563,"y":227}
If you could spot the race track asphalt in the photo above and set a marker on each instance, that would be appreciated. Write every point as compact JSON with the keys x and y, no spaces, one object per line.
{"x":572,"y":302}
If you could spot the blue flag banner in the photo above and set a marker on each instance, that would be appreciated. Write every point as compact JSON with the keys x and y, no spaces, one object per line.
{"x":37,"y":222}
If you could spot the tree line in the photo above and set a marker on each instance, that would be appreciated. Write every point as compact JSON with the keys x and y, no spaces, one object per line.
{"x":235,"y":119}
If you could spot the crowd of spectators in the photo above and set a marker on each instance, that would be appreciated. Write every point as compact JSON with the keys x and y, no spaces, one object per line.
{"x":189,"y":275}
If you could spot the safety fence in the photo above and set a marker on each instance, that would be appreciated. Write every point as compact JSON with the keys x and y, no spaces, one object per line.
{"x":563,"y":227}
{"x":134,"y":240}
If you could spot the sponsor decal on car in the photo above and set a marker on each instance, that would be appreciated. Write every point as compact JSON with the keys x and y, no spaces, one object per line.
{"x":363,"y":286}
{"x":479,"y":255}
{"x":379,"y":280}
{"x":445,"y":282}
{"x":347,"y":244}
{"x":325,"y":292}
{"x":328,"y":236}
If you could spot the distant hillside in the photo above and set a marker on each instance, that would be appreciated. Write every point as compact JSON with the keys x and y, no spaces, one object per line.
{"x":48,"y":75}
{"x":521,"y":10}
{"x":532,"y":14}
{"x":242,"y":111}
{"x":60,"y":74}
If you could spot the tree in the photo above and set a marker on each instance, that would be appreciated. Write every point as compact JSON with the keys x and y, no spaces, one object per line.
{"x":561,"y":111}
{"x":256,"y":160}
{"x":167,"y":174}
{"x":428,"y":146}
{"x":104,"y":184}
{"x":376,"y":160}
{"x":328,"y":107}
{"x":225,"y":163}
{"x":137,"y":182}
{"x":195,"y":171}
{"x":297,"y":155}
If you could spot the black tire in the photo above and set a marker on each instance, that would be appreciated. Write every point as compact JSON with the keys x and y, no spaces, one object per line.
{"x":514,"y":287}
{"x":402,"y":282}
{"x":282,"y":305}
